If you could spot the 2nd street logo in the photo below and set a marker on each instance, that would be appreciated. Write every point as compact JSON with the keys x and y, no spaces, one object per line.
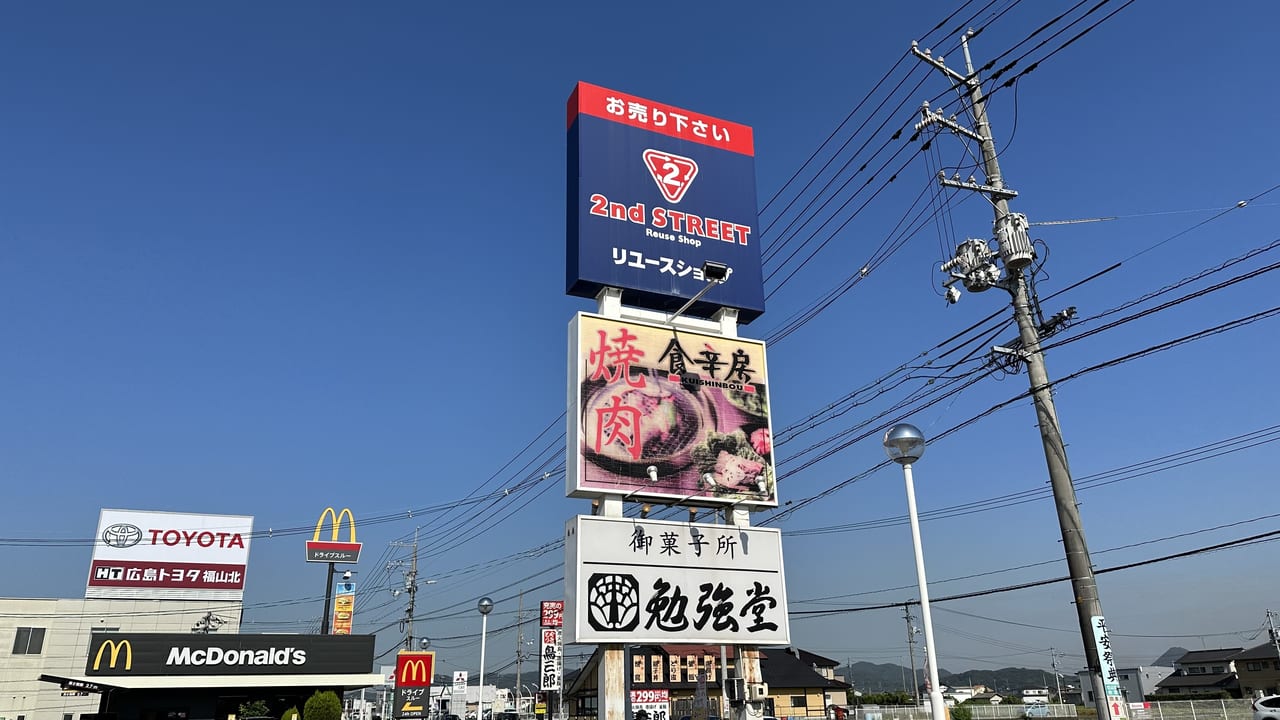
{"x":673,"y":173}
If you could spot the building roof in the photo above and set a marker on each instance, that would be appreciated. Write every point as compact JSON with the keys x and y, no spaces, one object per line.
{"x":781,"y":669}
{"x":813,"y":659}
{"x":1195,"y":657}
{"x":1265,"y":651}
{"x":1177,"y":680}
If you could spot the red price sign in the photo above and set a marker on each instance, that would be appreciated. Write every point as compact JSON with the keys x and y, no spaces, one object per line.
{"x":552,"y":613}
{"x":656,"y":695}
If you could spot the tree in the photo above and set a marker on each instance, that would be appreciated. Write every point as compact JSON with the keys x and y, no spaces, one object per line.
{"x":323,"y":706}
{"x":291,"y":714}
{"x":253,"y":708}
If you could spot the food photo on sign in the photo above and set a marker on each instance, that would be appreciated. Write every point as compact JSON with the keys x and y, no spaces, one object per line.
{"x":671,"y":413}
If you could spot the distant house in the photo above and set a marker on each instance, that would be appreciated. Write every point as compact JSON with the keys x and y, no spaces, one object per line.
{"x":1136,"y":683}
{"x":988,"y":698}
{"x":956,"y":694}
{"x":1203,"y":671}
{"x":1035,"y":696}
{"x":826,"y":667}
{"x":1258,"y":670}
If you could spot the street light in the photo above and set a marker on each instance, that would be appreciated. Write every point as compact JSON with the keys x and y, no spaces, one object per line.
{"x":904,"y":444}
{"x":485,"y":606}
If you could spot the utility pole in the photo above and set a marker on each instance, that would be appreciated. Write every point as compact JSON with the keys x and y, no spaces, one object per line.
{"x":410,"y":587}
{"x":911,"y":651}
{"x":519,"y":647}
{"x":975,"y":266}
{"x":1275,"y":638}
{"x":1057,"y":678}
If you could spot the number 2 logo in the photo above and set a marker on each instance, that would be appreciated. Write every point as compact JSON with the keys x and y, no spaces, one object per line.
{"x":673,"y":174}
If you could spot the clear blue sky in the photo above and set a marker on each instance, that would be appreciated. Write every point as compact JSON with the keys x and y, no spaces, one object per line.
{"x":263,"y":259}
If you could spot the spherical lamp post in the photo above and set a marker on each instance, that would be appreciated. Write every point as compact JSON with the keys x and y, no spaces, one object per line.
{"x":485,"y":606}
{"x":904,"y":444}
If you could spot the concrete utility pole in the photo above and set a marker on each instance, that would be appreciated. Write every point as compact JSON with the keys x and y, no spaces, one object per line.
{"x":519,"y":646}
{"x":1275,"y":638}
{"x":911,"y":651}
{"x":1057,"y":677}
{"x":975,"y":266}
{"x":410,"y":587}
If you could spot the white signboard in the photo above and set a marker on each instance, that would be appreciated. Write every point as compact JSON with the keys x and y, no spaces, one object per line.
{"x":650,"y":581}
{"x":165,"y":555}
{"x":1106,"y":658}
{"x":654,"y":703}
{"x":460,"y":682}
{"x":550,"y":662}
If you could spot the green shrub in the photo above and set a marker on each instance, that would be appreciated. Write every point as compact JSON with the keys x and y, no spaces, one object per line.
{"x":291,"y":714}
{"x":323,"y":706}
{"x":961,"y":712}
{"x":253,"y":708}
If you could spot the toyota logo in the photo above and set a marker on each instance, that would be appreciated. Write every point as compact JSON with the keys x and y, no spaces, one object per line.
{"x":122,"y":535}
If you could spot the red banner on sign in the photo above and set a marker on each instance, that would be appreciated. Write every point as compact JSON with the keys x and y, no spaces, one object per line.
{"x":171,"y":575}
{"x":635,"y":111}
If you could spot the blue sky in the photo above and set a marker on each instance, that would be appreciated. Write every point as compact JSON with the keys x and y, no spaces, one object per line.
{"x":261,"y":260}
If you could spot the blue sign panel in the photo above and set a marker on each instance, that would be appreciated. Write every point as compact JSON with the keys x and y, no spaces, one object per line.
{"x":654,"y":192}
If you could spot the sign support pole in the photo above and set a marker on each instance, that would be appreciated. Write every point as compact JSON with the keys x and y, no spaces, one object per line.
{"x":611,"y":672}
{"x":747,"y":657}
{"x":328,"y":598}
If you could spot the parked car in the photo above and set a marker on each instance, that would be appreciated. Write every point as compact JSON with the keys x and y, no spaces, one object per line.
{"x":1267,"y":708}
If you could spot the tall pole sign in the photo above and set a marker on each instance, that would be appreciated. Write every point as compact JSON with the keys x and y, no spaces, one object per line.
{"x":333,"y":551}
{"x":663,"y":225}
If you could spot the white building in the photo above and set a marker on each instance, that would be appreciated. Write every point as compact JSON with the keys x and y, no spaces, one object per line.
{"x":1035,"y":696}
{"x":51,"y":637}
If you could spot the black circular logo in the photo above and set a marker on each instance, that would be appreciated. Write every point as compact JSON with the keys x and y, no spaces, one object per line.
{"x":122,"y":535}
{"x":613,"y":602}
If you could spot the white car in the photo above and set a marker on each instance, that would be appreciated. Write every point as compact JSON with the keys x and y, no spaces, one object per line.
{"x":1267,"y":708}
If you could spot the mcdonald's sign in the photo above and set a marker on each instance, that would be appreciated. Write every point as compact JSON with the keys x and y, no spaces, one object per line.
{"x":334,"y":550}
{"x":413,"y":681}
{"x":118,"y":649}
{"x":415,"y":669}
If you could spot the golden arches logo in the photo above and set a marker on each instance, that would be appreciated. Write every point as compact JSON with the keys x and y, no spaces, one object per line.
{"x":116,"y":648}
{"x":415,"y":671}
{"x":330,"y":513}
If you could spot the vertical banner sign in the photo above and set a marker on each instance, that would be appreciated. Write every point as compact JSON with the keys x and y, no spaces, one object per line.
{"x":551,"y":664}
{"x":668,"y":415}
{"x":414,"y":671}
{"x":344,"y":607}
{"x":458,"y":698}
{"x":1107,"y":661}
{"x":654,"y":192}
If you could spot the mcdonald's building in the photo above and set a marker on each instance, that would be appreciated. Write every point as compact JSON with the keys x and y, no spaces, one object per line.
{"x":184,"y":676}
{"x":156,"y":635}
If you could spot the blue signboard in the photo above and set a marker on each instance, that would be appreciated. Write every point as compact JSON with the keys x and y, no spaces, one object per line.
{"x":654,"y":192}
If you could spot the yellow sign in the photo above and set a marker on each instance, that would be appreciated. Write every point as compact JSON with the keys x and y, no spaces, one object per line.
{"x":337,"y":524}
{"x":116,"y":647}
